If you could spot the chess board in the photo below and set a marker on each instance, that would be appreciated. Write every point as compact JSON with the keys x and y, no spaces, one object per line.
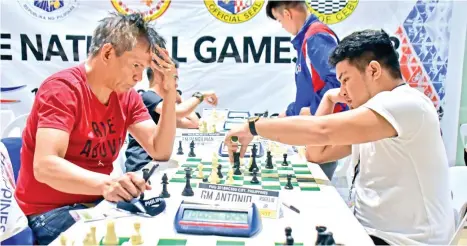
{"x":269,"y":179}
{"x":183,"y":242}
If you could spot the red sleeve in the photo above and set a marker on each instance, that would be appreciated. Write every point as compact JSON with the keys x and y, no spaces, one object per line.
{"x":137,"y":110}
{"x":57,"y":104}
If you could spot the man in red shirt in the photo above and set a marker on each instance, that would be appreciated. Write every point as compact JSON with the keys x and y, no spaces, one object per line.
{"x":79,"y":121}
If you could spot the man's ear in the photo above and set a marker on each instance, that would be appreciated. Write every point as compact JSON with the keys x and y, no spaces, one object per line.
{"x":107,"y":53}
{"x":374,"y":69}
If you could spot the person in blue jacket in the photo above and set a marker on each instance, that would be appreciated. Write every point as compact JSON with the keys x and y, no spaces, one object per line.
{"x":314,"y":42}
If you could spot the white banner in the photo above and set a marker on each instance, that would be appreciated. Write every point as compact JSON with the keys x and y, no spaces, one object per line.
{"x":229,"y":46}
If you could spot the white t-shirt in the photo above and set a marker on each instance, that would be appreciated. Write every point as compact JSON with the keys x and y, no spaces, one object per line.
{"x":402,"y":189}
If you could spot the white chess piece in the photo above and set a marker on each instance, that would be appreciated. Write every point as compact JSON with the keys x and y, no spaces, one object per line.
{"x":230,"y":179}
{"x":110,"y":236}
{"x":200,"y":171}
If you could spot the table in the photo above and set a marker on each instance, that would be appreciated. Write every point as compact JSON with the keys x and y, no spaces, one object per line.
{"x":324,"y":207}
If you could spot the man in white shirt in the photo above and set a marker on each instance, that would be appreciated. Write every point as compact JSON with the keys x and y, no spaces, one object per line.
{"x":402,"y":189}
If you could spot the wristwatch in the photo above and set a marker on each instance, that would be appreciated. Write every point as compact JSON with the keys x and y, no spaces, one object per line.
{"x":199,"y":95}
{"x":251,"y":125}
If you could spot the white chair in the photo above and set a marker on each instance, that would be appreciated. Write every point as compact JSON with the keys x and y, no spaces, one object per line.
{"x":19,"y":122}
{"x":458,"y":181}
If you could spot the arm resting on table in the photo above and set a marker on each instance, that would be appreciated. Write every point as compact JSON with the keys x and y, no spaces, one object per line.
{"x":50,"y":168}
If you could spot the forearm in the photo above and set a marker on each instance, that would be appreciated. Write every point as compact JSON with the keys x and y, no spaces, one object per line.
{"x":67,"y":177}
{"x":191,"y":121}
{"x":187,"y":107}
{"x":164,"y":137}
{"x":294,"y":130}
{"x":314,"y":153}
{"x":328,"y":153}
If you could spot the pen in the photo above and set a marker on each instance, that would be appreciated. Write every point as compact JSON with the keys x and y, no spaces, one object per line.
{"x":291,"y":207}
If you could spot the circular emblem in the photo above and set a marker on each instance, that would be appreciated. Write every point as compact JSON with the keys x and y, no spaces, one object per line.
{"x":332,"y":12}
{"x":151,"y":9}
{"x":49,"y":10}
{"x":234,"y":11}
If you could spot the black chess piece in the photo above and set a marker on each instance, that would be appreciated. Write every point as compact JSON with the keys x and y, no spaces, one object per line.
{"x":237,"y":170}
{"x":269,"y":161}
{"x":255,"y":180}
{"x":180,"y":149}
{"x":289,"y":185}
{"x":188,"y":191}
{"x":321,"y":237}
{"x":219,"y":171}
{"x":288,"y":235}
{"x":165,"y":182}
{"x":253,"y":159}
{"x":268,"y":153}
{"x":236,"y":156}
{"x":328,"y":238}
{"x":192,"y":149}
{"x":146,"y":175}
{"x":205,"y":179}
{"x":284,"y":163}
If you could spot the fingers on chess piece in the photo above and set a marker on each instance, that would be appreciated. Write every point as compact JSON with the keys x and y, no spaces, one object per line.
{"x":188,"y":191}
{"x":165,"y":182}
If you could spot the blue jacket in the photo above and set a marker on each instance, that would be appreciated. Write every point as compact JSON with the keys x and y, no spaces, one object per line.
{"x":314,"y":54}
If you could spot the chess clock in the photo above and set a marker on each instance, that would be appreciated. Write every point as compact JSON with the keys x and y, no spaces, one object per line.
{"x":238,"y":115}
{"x":206,"y":219}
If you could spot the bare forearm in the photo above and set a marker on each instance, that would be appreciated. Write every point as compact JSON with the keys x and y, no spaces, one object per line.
{"x":187,"y":107}
{"x":67,"y":177}
{"x":327,"y":153}
{"x":294,"y":130}
{"x":191,"y":122}
{"x":163,"y":138}
{"x":318,"y":153}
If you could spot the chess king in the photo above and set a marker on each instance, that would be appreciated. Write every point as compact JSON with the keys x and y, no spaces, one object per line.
{"x":81,"y":116}
{"x":314,"y":41}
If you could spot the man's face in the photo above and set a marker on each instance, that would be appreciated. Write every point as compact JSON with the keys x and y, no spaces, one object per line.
{"x":284,"y":16}
{"x":354,"y":84}
{"x":127,"y":69}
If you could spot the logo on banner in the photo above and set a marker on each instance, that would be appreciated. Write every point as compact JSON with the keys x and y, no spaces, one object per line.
{"x":8,"y":89}
{"x":151,"y":9}
{"x":332,"y":12}
{"x":49,"y":10}
{"x":234,"y":11}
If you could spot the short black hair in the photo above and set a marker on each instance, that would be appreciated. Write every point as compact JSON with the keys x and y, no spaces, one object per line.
{"x":362,"y":47}
{"x":272,"y":4}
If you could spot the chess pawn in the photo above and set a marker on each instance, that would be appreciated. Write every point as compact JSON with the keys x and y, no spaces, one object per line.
{"x":110,"y":237}
{"x":136,"y":238}
{"x":63,"y":239}
{"x":213,"y":179}
{"x":200,"y":171}
{"x":230,"y":179}
{"x":93,"y":239}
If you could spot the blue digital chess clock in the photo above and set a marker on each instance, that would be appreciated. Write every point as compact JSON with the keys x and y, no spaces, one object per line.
{"x":217,"y":220}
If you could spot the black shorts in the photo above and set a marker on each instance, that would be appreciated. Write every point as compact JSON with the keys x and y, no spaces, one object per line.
{"x":378,"y":241}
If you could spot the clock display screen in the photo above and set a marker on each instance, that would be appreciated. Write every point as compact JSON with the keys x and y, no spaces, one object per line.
{"x":238,"y":115}
{"x":215,"y":216}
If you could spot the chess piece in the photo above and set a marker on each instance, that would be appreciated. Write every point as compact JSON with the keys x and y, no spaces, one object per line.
{"x":237,"y":170}
{"x":136,"y":238}
{"x":63,"y":239}
{"x":205,"y":179}
{"x":328,"y":238}
{"x":214,"y":179}
{"x":110,"y":237}
{"x":236,"y":159}
{"x":180,"y":149}
{"x":288,"y":235}
{"x":188,"y":191}
{"x":285,"y":163}
{"x":230,"y":179}
{"x":87,"y":239}
{"x":200,"y":171}
{"x":92,"y":238}
{"x":255,"y":180}
{"x":321,"y":237}
{"x":165,"y":182}
{"x":289,"y":185}
{"x":219,"y":171}
{"x":146,"y":175}
{"x":215,"y":159}
{"x":192,"y":149}
{"x":269,"y":161}
{"x":253,"y":159}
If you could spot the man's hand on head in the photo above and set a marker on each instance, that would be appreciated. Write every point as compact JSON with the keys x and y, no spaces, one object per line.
{"x":124,"y":188}
{"x":165,"y":65}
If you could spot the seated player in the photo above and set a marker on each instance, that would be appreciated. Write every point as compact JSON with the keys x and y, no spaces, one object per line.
{"x":137,"y":156}
{"x":314,"y":41}
{"x":79,"y":120}
{"x":402,"y":187}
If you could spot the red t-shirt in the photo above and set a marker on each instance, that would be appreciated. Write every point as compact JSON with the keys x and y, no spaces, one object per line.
{"x":65,"y":102}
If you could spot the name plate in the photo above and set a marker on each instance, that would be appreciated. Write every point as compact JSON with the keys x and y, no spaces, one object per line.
{"x":202,"y":138}
{"x":267,"y":201}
